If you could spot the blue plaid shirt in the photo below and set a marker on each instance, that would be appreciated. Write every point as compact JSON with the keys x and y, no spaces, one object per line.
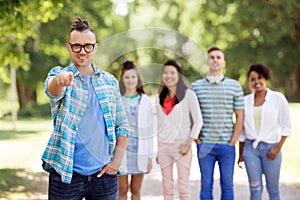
{"x":67,"y":111}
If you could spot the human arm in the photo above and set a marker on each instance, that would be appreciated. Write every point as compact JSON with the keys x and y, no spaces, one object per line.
{"x":275,"y":150}
{"x":57,"y":84}
{"x":118,"y":129}
{"x":149,"y":166}
{"x":145,"y":133}
{"x":184,"y":148}
{"x":113,"y":167}
{"x":285,"y":125}
{"x":196,"y":121}
{"x":239,"y":114}
{"x":241,"y":159}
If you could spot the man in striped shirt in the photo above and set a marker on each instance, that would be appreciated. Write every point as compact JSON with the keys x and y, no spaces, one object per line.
{"x":90,"y":127}
{"x":221,"y":100}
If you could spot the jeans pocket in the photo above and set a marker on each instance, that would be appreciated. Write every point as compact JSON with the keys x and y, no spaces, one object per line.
{"x":54,"y":177}
{"x":112,"y":175}
{"x":230,"y":146}
{"x":106,"y":185}
{"x":199,"y":147}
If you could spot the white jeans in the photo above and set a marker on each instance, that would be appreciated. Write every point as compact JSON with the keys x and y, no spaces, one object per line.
{"x":168,"y":154}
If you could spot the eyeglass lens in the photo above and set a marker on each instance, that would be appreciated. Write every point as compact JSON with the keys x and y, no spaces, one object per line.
{"x":76,"y":48}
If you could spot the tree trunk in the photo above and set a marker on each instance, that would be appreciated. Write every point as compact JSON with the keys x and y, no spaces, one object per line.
{"x":297,"y":88}
{"x":25,"y":95}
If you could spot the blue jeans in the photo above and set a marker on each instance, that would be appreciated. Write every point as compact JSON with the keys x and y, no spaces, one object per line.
{"x":257,"y":164}
{"x":208,"y":155}
{"x":88,"y":187}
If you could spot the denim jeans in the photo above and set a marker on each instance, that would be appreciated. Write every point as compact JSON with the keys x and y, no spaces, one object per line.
{"x":208,"y":155}
{"x":257,"y":164}
{"x":88,"y":187}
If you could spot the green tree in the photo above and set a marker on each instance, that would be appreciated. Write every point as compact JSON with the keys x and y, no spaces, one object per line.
{"x":34,"y":34}
{"x":19,"y":24}
{"x":256,"y":31}
{"x":268,"y":32}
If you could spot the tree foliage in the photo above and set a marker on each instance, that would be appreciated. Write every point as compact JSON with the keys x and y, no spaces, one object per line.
{"x":34,"y":34}
{"x":19,"y":21}
{"x":257,"y":31}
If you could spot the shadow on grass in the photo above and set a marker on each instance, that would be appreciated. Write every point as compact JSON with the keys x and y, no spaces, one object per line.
{"x":10,"y":134}
{"x":18,"y":183}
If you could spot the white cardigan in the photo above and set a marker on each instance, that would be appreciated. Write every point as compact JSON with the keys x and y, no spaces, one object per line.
{"x":183,"y":122}
{"x":275,"y":119}
{"x":145,"y":135}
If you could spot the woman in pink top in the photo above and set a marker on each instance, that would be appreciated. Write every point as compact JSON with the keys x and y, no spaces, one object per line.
{"x":179,"y":123}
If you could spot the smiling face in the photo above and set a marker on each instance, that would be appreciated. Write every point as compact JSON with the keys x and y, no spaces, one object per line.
{"x":130,"y":80}
{"x":170,"y":76}
{"x":82,"y":59}
{"x":256,"y":81}
{"x":216,"y":62}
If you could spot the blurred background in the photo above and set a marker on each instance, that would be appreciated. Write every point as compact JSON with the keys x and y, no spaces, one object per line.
{"x":34,"y":33}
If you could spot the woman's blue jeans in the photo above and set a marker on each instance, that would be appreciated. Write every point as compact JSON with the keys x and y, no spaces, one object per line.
{"x":208,"y":155}
{"x":88,"y":187}
{"x":257,"y":164}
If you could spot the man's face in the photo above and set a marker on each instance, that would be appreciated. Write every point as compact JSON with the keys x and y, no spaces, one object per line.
{"x":78,"y":39}
{"x":216,"y":61}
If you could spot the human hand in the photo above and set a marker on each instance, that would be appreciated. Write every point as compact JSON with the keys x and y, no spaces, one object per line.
{"x":108,"y":169}
{"x":149,"y":167}
{"x":231,"y":143}
{"x":272,"y":154}
{"x":240,"y":161}
{"x":184,"y":148}
{"x":64,"y":79}
{"x":197,"y":141}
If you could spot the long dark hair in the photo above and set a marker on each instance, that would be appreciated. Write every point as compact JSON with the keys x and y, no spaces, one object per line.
{"x":128,"y":65}
{"x":180,"y":88}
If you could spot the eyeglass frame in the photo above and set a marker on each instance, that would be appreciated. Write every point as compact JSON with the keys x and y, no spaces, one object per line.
{"x":71,"y":45}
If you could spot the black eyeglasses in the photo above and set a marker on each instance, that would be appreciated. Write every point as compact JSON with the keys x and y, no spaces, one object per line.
{"x":88,"y":48}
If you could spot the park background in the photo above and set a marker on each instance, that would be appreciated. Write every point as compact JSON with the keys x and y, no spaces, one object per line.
{"x":33,"y":35}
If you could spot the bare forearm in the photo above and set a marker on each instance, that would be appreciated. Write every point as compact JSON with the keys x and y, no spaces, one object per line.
{"x":241,"y":148}
{"x":119,"y":151}
{"x":281,"y":142}
{"x":237,"y":127}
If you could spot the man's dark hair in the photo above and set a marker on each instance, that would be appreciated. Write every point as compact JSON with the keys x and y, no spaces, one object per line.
{"x":214,"y":48}
{"x":80,"y":25}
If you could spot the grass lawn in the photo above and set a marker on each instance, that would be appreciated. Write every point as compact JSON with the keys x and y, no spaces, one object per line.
{"x":21,"y":175}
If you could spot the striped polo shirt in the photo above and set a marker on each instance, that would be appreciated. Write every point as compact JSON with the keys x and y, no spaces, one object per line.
{"x":217,"y":103}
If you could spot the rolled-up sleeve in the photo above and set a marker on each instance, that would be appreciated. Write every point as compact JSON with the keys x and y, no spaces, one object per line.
{"x":284,"y":117}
